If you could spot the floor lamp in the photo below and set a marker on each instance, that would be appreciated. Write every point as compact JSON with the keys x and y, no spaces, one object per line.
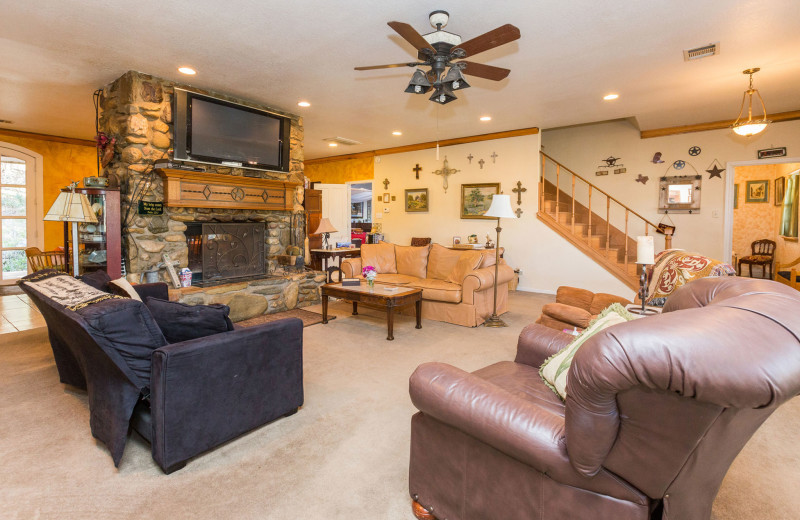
{"x":72,"y":207}
{"x":500,"y":208}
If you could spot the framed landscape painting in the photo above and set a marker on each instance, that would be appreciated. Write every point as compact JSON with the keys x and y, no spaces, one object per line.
{"x":780,"y":190}
{"x":417,"y":200}
{"x":476,"y":199}
{"x":756,"y":191}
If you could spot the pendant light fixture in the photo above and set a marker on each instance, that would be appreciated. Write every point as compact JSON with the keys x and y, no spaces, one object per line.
{"x":749,"y":127}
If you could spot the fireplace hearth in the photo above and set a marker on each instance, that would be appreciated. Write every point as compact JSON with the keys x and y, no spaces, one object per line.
{"x":221,"y":252}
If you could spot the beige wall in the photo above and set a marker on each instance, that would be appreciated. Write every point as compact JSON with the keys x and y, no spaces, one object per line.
{"x":582,"y":149}
{"x":62,"y":163}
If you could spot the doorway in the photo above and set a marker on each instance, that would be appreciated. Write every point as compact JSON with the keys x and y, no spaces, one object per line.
{"x":21,"y":218}
{"x":360,"y":211}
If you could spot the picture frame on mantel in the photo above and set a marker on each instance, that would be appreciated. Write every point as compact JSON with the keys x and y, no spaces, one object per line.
{"x":476,"y":199}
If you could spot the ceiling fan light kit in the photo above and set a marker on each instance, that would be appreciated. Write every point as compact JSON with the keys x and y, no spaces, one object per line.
{"x":439,"y":50}
{"x":749,"y":127}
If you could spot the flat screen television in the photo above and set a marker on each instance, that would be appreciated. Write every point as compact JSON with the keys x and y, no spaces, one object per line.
{"x":211,"y":130}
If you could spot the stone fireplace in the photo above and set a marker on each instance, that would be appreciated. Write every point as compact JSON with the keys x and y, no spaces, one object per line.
{"x":220,"y":252}
{"x":136,"y":110}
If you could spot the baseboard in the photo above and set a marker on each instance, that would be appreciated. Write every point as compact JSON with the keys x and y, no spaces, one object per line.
{"x":534,"y":290}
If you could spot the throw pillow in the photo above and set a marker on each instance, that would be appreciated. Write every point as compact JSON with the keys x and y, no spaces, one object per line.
{"x":411,"y":260}
{"x":182,"y":322}
{"x":555,"y":370}
{"x":122,"y":287}
{"x":97,"y":279}
{"x":380,"y":256}
{"x":441,"y":262}
{"x":468,"y":262}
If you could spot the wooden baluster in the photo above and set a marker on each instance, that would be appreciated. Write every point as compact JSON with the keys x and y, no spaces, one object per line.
{"x":541,"y":184}
{"x":626,"y":240}
{"x":558,"y":189}
{"x":608,"y":223}
{"x":589,"y":227}
{"x":573,"y":204}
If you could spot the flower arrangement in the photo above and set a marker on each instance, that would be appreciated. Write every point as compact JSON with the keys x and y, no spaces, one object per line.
{"x":370,"y":273}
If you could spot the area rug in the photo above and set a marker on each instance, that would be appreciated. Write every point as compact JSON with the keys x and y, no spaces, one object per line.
{"x":309,"y":318}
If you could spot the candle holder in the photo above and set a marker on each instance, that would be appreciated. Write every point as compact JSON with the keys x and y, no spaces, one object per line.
{"x":643,"y":293}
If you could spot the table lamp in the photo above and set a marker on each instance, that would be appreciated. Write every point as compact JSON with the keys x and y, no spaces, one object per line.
{"x":645,"y":255}
{"x":500,"y":208}
{"x":72,"y":207}
{"x":325,"y":228}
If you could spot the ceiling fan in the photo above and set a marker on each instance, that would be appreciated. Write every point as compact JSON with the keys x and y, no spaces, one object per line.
{"x":439,"y":49}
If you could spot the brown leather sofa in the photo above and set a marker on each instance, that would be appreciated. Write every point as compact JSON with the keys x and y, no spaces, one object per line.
{"x":457,"y":286}
{"x":576,"y":307}
{"x":656,"y":411}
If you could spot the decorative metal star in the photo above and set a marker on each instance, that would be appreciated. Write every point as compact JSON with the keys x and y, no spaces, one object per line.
{"x":716,"y":171}
{"x":678,"y":165}
{"x":694,"y":151}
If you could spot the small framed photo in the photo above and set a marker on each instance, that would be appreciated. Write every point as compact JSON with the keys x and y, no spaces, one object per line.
{"x":386,"y":198}
{"x":417,"y":200}
{"x":456,"y":241}
{"x":780,"y":190}
{"x":756,"y":191}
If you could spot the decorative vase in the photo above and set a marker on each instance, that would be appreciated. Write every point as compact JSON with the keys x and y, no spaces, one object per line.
{"x":371,"y":284}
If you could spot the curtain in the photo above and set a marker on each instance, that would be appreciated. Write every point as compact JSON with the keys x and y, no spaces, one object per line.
{"x":790,"y":207}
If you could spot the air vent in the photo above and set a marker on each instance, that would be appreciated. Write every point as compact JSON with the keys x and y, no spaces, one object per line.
{"x":701,"y":52}
{"x":341,"y":140}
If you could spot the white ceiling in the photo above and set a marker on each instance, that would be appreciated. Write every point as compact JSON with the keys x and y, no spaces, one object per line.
{"x":54,"y":53}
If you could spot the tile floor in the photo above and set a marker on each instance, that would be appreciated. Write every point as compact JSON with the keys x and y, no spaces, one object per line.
{"x":18,"y":313}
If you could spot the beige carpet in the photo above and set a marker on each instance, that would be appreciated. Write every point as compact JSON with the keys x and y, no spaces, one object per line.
{"x":344,"y":455}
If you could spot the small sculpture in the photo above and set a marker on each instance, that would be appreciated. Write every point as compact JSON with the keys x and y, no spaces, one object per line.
{"x":489,"y":244}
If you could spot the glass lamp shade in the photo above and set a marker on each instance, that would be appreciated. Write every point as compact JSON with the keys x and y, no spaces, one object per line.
{"x":325,"y":226}
{"x":71,"y":207}
{"x":749,"y":128}
{"x":501,"y":207}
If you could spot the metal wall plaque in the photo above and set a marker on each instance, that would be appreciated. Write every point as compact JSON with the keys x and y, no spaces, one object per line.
{"x":766,"y":153}
{"x":147,"y":207}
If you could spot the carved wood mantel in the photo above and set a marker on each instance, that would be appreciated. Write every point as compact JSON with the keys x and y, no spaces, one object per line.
{"x":189,"y":189}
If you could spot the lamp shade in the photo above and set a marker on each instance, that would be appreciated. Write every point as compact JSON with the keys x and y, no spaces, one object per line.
{"x":71,"y":207}
{"x":501,"y":207}
{"x":325,"y":226}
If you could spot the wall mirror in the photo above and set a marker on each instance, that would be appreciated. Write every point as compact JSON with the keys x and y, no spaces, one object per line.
{"x":679,"y":194}
{"x":790,"y":207}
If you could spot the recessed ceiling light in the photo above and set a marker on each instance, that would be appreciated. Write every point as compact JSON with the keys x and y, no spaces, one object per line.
{"x":187,"y":70}
{"x":333,"y":144}
{"x":609,"y":97}
{"x":397,"y":132}
{"x":304,"y":104}
{"x":486,"y":118}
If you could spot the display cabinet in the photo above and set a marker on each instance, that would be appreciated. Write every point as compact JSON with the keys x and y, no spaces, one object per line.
{"x":99,"y":245}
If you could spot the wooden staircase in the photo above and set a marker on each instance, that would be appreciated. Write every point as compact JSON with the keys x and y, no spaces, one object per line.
{"x":568,"y":204}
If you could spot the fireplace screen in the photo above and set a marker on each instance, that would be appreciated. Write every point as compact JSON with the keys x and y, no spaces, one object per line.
{"x":224,"y":251}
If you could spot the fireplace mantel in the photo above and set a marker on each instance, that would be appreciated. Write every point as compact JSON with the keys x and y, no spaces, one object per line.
{"x":190,"y":189}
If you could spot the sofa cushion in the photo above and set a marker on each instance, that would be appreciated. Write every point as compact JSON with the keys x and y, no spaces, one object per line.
{"x":438,"y":290}
{"x":97,"y":279}
{"x":441,"y":262}
{"x":568,"y":314}
{"x":603,"y":300}
{"x":488,"y":257}
{"x":380,"y":256}
{"x":468,"y":262}
{"x":412,"y":261}
{"x":181,"y":322}
{"x":395,"y":279}
{"x":122,"y":287}
{"x":555,"y":370}
{"x":575,"y":297}
{"x":126,"y":326}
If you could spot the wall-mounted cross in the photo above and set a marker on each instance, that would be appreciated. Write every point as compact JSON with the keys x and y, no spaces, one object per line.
{"x":518,"y":211}
{"x":519,"y":190}
{"x":445,"y":172}
{"x":416,"y":169}
{"x":494,"y":156}
{"x":385,"y":184}
{"x":469,"y":158}
{"x":481,"y":162}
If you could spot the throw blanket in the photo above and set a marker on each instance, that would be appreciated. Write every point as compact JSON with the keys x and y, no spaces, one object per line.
{"x":673,"y":268}
{"x":66,"y":290}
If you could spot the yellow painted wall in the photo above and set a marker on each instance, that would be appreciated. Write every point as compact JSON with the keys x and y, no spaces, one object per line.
{"x":62,"y":162}
{"x":340,"y":172}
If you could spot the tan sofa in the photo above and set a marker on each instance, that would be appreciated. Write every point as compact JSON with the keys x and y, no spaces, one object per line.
{"x":576,"y":307}
{"x":457,"y":286}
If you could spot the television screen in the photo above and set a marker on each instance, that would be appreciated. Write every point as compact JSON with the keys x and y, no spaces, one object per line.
{"x":233,"y":134}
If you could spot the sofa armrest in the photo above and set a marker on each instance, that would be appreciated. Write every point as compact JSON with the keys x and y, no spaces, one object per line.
{"x":537,"y":343}
{"x":351,"y":267}
{"x":158,"y":290}
{"x":483,"y":279}
{"x":209,"y":390}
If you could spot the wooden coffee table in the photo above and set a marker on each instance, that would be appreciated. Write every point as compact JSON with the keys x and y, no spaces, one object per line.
{"x":382,"y":296}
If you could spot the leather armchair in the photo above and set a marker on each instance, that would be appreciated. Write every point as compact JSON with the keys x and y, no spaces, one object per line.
{"x":656,"y":411}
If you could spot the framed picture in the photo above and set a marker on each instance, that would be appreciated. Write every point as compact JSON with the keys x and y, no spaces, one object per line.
{"x":357,"y":210}
{"x":756,"y":191}
{"x":417,"y":200}
{"x":735,"y":196}
{"x":476,"y":199}
{"x":386,"y":198}
{"x":456,"y":241}
{"x":780,"y":190}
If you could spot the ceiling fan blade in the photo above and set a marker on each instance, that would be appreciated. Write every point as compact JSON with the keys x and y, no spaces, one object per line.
{"x":411,"y":35}
{"x":495,"y":38}
{"x":373,"y":67}
{"x":485,"y":71}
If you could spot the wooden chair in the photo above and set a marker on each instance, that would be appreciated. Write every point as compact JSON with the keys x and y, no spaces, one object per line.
{"x":38,"y":260}
{"x":788,"y":273}
{"x":763,"y":255}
